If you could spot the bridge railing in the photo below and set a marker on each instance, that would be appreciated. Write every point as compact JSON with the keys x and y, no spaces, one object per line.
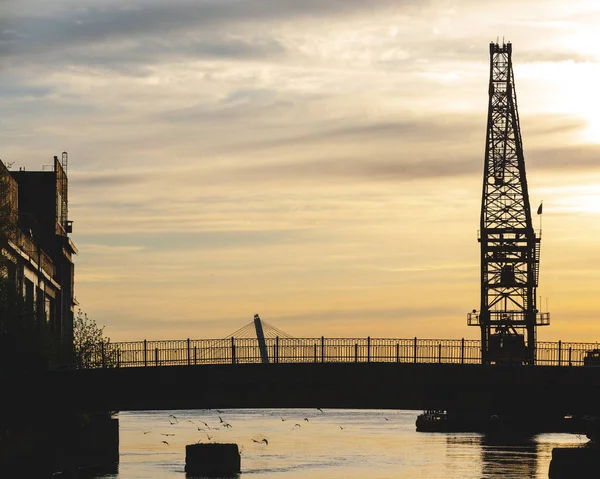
{"x":317,"y":350}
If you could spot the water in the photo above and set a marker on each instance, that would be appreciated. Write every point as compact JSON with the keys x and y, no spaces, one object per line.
{"x":307,"y":443}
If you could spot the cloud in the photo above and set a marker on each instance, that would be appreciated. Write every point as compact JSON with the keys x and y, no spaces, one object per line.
{"x":572,"y":159}
{"x":24,"y":32}
{"x":99,"y":179}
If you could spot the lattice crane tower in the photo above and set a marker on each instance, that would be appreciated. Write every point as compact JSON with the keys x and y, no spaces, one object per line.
{"x":510,"y":247}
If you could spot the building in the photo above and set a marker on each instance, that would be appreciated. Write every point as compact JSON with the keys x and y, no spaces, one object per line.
{"x":35,"y":249}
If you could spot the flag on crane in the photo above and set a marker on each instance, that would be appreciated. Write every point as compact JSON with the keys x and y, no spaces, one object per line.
{"x":539,"y":210}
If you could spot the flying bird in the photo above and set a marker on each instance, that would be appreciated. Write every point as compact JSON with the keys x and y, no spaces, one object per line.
{"x":220,"y":412}
{"x":319,"y":409}
{"x":165,"y":442}
{"x":201,"y":428}
{"x":386,"y":418}
{"x":227,"y":425}
{"x":282,"y":418}
{"x":306,"y":419}
{"x":262,"y":440}
{"x":297,"y":425}
{"x":205,"y":424}
{"x":221,"y":419}
{"x":209,"y":437}
{"x":145,"y":432}
{"x":165,"y":434}
{"x":342,"y":427}
{"x":189,"y":420}
{"x":174,"y":417}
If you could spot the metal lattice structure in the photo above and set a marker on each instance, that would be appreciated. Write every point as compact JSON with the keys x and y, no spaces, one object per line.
{"x":510,"y":247}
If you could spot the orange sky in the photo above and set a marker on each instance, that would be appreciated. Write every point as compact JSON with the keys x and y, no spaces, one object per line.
{"x":318,"y":163}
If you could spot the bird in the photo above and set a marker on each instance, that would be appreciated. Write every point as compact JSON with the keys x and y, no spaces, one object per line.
{"x":342,"y":427}
{"x":209,"y":437}
{"x":174,"y":417}
{"x":319,"y":409}
{"x":189,"y":420}
{"x":201,"y":429}
{"x":165,"y":442}
{"x":262,"y":440}
{"x":165,"y":434}
{"x":145,"y":432}
{"x":282,"y":419}
{"x":297,"y":425}
{"x":227,"y":425}
{"x":221,"y":419}
{"x":205,"y":424}
{"x":306,"y":419}
{"x":220,"y":412}
{"x":386,"y":418}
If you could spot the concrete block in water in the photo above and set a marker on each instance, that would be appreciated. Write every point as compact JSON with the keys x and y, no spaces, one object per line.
{"x":575,"y":462}
{"x":217,"y":460}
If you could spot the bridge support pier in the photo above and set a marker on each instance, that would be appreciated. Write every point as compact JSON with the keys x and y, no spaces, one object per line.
{"x":47,"y":442}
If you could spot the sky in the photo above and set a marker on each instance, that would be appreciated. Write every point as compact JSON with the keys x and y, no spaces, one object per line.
{"x":318,"y":163}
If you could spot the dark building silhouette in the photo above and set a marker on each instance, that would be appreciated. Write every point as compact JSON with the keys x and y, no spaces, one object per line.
{"x":35,"y":249}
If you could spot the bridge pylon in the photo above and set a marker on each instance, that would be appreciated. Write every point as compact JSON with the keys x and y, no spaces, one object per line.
{"x":510,"y":247}
{"x":262,"y":344}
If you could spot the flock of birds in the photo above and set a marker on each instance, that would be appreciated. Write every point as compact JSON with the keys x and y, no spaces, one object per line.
{"x":204,"y":427}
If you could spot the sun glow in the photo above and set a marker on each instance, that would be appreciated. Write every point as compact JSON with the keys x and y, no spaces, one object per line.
{"x":579,"y":199}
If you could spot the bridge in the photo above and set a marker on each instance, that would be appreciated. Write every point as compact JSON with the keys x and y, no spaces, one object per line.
{"x":317,"y":372}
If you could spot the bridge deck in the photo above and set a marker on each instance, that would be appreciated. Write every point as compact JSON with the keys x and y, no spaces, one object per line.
{"x":494,"y":388}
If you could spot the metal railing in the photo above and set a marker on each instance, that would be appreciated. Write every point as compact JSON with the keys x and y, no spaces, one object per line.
{"x":316,"y":350}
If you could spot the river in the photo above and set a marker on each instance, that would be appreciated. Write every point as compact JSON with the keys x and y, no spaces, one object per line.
{"x":327,"y":444}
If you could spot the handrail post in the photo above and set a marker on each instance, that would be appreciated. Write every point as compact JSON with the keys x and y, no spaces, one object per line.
{"x":397,"y":352}
{"x":439,"y":352}
{"x":118,"y":358}
{"x":315,"y":351}
{"x":322,"y":349}
{"x":368,"y":349}
{"x":276,"y":349}
{"x":355,"y":352}
{"x":189,"y":356}
{"x":415,"y":350}
{"x":156,"y":356}
{"x":195,"y":354}
{"x":145,"y":353}
{"x":570,"y":364}
{"x":103,"y":354}
{"x":462,"y":351}
{"x":559,"y":351}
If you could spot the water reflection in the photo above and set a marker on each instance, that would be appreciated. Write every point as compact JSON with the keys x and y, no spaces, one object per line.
{"x":506,"y":456}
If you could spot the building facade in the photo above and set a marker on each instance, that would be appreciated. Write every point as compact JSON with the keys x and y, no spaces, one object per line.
{"x":36,"y":252}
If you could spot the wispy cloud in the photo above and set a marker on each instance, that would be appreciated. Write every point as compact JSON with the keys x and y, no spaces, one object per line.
{"x":302,"y":158}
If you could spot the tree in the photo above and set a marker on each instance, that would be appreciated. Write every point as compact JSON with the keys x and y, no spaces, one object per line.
{"x":92,"y":349}
{"x":8,"y":204}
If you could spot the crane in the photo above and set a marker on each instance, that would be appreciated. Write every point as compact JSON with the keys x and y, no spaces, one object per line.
{"x":509,"y":246}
